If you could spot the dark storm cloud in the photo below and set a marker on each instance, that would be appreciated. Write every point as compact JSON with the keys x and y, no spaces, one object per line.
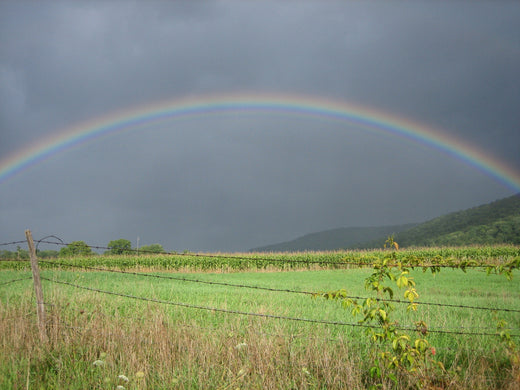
{"x":239,"y":181}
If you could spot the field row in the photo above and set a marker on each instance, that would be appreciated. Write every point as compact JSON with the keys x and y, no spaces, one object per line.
{"x":495,"y":255}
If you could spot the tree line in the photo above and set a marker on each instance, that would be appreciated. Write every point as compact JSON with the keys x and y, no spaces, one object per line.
{"x":80,"y":248}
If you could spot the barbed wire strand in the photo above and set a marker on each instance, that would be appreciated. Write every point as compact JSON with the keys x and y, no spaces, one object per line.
{"x":183,"y":279}
{"x":271,"y":316}
{"x":315,"y":294}
{"x":226,"y":311}
{"x":290,"y":336}
{"x":15,"y":280}
{"x":15,"y":260}
{"x":437,"y":304}
{"x":50,"y":236}
{"x":13,"y":242}
{"x":192,"y":306}
{"x":403,"y":328}
{"x":142,"y":318}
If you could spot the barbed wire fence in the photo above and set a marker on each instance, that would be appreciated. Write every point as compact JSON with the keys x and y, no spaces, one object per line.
{"x":54,"y":263}
{"x":315,"y":294}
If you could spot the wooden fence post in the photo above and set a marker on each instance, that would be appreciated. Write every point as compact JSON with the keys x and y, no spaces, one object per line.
{"x":37,"y":286}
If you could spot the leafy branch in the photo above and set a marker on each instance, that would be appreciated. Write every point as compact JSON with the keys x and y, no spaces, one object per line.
{"x":394,"y":354}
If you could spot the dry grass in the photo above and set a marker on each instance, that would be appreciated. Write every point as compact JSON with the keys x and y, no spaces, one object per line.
{"x":170,"y":355}
{"x":186,"y":356}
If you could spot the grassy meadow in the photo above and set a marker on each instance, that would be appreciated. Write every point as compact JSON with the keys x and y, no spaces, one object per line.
{"x":104,"y":341}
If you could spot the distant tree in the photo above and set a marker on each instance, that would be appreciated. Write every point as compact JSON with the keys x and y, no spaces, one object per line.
{"x":153,"y":248}
{"x":21,"y":253}
{"x":75,"y":248}
{"x":7,"y":255}
{"x":119,"y":247}
{"x":46,"y":254}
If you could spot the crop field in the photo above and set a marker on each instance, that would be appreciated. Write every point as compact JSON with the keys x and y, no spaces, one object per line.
{"x":283,"y":261}
{"x":262,"y":321}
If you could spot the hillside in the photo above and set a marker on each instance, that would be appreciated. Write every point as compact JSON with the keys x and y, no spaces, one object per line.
{"x":334,"y":239}
{"x":494,"y":223}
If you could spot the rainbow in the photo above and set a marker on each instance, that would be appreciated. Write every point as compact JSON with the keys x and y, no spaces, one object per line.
{"x":316,"y":107}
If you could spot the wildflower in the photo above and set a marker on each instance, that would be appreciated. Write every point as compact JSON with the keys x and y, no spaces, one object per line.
{"x":305,"y":371}
{"x":123,"y":378}
{"x":139,"y":374}
{"x":120,"y":387}
{"x":99,"y":363}
{"x":433,"y":351}
{"x":240,"y":346}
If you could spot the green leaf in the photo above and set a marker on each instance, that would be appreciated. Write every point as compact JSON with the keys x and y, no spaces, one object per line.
{"x":375,"y":372}
{"x":411,"y":359}
{"x":402,"y":281}
{"x":421,"y":344}
{"x":389,"y":291}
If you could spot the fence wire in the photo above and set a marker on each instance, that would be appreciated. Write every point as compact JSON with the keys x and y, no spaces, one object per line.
{"x":15,"y":260}
{"x":13,"y":242}
{"x":253,"y":259}
{"x":180,"y":278}
{"x":15,"y":280}
{"x":315,"y":293}
{"x":270,"y":316}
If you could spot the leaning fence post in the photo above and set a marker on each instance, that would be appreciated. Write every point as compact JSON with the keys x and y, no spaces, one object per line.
{"x":37,"y":286}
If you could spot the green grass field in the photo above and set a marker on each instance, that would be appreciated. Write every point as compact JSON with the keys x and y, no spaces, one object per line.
{"x":158,"y":345}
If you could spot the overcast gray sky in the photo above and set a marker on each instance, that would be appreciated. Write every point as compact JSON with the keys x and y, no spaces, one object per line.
{"x":235,"y":181}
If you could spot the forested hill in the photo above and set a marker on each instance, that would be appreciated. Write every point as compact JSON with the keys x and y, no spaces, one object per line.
{"x":334,"y":239}
{"x":494,"y":223}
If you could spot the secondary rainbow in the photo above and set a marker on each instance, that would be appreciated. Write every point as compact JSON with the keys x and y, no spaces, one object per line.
{"x":316,"y":107}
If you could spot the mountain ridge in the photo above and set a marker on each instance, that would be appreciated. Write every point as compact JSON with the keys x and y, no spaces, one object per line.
{"x":497,"y":222}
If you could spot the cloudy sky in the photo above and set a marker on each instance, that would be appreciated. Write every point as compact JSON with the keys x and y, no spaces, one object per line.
{"x":236,"y":180}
